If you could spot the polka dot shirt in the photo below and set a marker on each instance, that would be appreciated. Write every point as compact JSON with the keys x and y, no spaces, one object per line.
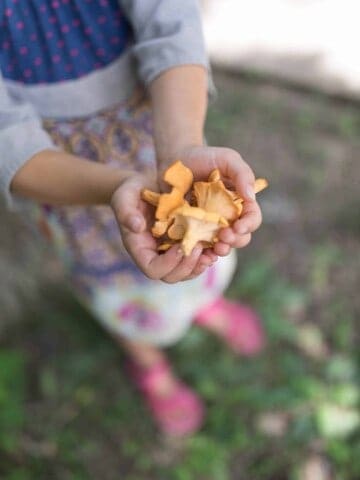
{"x":50,"y":41}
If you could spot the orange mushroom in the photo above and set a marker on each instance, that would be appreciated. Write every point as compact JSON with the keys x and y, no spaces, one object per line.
{"x":177,"y":230}
{"x":196,"y":225}
{"x":168,"y":202}
{"x":214,"y":207}
{"x":213,"y":197}
{"x":159,"y":228}
{"x":179,"y":176}
{"x":260,"y":184}
{"x":150,"y":197}
{"x":164,"y":247}
{"x":215,"y":176}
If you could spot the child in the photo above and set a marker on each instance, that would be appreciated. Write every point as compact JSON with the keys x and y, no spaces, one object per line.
{"x":97,"y":98}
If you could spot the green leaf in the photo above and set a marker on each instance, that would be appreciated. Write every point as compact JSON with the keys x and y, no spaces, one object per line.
{"x":341,"y":367}
{"x":334,"y":421}
{"x":345,"y":394}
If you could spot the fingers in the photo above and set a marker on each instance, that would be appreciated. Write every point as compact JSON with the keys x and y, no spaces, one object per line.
{"x":239,"y":236}
{"x":169,"y":267}
{"x":250,"y":219}
{"x":231,"y":165}
{"x":237,"y":171}
{"x":227,"y":235}
{"x":242,"y":241}
{"x":198,"y":270}
{"x":222,"y":249}
{"x":208,"y":252}
{"x":172,"y":266}
{"x":185,"y":268}
{"x":205,"y":261}
{"x":232,"y":239}
{"x":126,"y":203}
{"x":155,"y":266}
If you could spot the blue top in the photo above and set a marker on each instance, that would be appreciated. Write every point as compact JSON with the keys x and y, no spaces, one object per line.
{"x":72,"y":58}
{"x":51,"y":41}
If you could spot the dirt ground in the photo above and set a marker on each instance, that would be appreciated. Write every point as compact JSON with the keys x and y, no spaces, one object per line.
{"x":67,"y":409}
{"x":309,"y":148}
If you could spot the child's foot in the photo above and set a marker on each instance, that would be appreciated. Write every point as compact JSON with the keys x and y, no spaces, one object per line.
{"x":177,"y":410}
{"x":238,"y":325}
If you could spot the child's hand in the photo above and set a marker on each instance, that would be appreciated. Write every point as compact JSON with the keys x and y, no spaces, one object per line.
{"x":237,"y":174}
{"x":134,"y":217}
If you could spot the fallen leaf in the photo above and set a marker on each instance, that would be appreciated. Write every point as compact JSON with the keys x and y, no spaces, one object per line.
{"x":311,"y":341}
{"x":314,"y":467}
{"x":335,"y":421}
{"x":273,"y":424}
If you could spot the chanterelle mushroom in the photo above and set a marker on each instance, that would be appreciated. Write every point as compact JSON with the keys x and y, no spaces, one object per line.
{"x":196,"y":225}
{"x":215,"y":207}
{"x":167,"y":203}
{"x":213,"y":197}
{"x":179,"y":176}
{"x":150,"y":197}
{"x":160,"y":228}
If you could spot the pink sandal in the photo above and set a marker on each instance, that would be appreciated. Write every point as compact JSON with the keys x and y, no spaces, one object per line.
{"x":243,"y":333}
{"x":178,"y":414}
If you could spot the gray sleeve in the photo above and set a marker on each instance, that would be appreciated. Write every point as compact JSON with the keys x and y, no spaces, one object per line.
{"x":21,"y":137}
{"x":167,"y":33}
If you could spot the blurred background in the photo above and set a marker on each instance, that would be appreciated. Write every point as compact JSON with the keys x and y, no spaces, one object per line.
{"x":288,"y":81}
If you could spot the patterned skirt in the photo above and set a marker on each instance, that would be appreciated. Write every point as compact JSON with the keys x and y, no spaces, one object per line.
{"x":88,"y":241}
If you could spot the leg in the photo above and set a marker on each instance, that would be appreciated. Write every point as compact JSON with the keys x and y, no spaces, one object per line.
{"x":147,"y":357}
{"x":176,"y":409}
{"x":236,"y":324}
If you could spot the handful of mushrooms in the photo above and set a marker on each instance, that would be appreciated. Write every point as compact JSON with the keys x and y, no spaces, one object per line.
{"x":212,"y":206}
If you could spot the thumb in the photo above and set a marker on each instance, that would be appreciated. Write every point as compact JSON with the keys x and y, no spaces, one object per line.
{"x":126,"y":205}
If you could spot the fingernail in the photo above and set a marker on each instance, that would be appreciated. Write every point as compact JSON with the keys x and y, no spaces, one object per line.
{"x":135,"y":224}
{"x":250,"y":192}
{"x":197,"y":251}
{"x":179,"y":252}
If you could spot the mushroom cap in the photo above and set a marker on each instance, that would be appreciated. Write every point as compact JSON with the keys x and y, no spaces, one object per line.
{"x":187,"y":210}
{"x":213,"y":197}
{"x":239,"y":205}
{"x":179,"y":176}
{"x":198,"y":230}
{"x":168,"y":202}
{"x":193,"y":225}
{"x":215,"y":207}
{"x":178,"y":228}
{"x":214,"y":176}
{"x":160,"y":227}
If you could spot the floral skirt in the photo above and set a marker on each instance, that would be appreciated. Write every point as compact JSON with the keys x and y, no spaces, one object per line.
{"x":88,"y":241}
